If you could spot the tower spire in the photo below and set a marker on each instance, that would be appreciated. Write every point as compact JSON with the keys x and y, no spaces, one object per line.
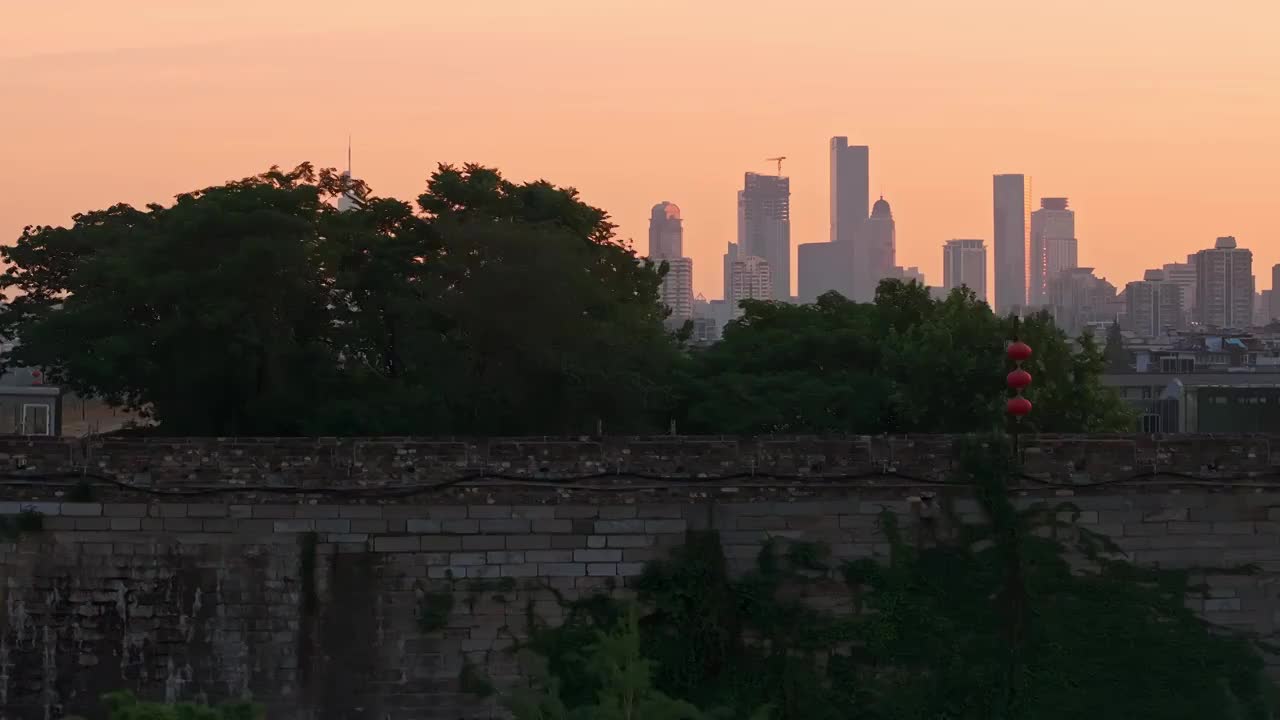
{"x":348,"y":154}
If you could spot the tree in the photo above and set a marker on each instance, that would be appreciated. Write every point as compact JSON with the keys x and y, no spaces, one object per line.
{"x":1117,"y":357}
{"x":257,"y":307}
{"x":905,"y":363}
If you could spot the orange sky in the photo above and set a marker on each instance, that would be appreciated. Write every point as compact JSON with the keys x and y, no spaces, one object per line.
{"x":1159,"y":119}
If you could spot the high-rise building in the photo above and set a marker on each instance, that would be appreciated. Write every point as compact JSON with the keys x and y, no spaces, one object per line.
{"x":1009,"y":196}
{"x":677,"y":290}
{"x":1184,"y":276}
{"x":765,"y":212}
{"x":731,"y":253}
{"x":964,"y":264}
{"x":1078,"y":298}
{"x":876,"y":251}
{"x":1262,"y":308}
{"x":1224,"y":285}
{"x":1153,"y":305}
{"x":823,"y":267}
{"x":1053,"y":245}
{"x":850,"y":188}
{"x":1274,"y":308}
{"x":666,"y":231}
{"x":752,"y":280}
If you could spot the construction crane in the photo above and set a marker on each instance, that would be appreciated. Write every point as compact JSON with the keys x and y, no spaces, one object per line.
{"x":777,"y":160}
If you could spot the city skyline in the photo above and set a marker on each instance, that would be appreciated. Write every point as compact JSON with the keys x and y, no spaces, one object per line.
{"x":137,"y":102}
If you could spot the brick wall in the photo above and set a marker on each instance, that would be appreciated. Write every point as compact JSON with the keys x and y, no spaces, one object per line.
{"x":296,"y":571}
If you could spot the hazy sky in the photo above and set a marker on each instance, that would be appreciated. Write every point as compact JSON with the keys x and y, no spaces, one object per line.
{"x":1160,"y":119}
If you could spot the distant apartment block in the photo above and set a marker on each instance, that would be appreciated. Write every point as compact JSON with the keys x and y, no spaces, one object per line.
{"x":677,"y":290}
{"x":1224,"y":285}
{"x":1153,"y":306}
{"x":964,"y":264}
{"x":752,"y":279}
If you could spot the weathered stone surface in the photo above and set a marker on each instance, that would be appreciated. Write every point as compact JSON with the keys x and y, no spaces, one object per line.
{"x":296,"y":580}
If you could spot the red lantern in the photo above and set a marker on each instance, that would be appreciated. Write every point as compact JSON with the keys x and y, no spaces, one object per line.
{"x":1018,"y":379}
{"x":1019,"y":406}
{"x":1019,"y":351}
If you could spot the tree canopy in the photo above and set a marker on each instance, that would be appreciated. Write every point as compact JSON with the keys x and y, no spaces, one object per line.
{"x":904,"y":363}
{"x":484,"y":306}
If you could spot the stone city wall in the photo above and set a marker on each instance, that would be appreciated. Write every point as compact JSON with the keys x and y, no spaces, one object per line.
{"x":297,"y":571}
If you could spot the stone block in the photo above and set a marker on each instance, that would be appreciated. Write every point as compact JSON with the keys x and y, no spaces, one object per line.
{"x":562,"y":569}
{"x":526,"y":542}
{"x":664,"y":526}
{"x":317,"y":512}
{"x":183,"y":525}
{"x":368,"y":526}
{"x":617,"y":512}
{"x":574,"y":512}
{"x":294,"y":526}
{"x":71,"y":509}
{"x":520,"y":570}
{"x":504,"y":557}
{"x":484,"y":542}
{"x":630,"y":569}
{"x":483,"y":572}
{"x":216,"y":525}
{"x":534,"y":512}
{"x":761,"y":522}
{"x":630,"y":541}
{"x":1189,"y":528}
{"x":659,"y":512}
{"x":505,"y":526}
{"x":488,"y":512}
{"x":273,"y":512}
{"x":605,"y":527}
{"x":601,"y":556}
{"x":332,"y":525}
{"x":439,"y":543}
{"x":458,"y":527}
{"x":360,"y":512}
{"x":122,"y":510}
{"x":568,"y":541}
{"x":1233,"y":528}
{"x":422,"y":526}
{"x":207,"y":510}
{"x":1170,"y":514}
{"x":1221,"y":604}
{"x":548,"y":556}
{"x":397,"y":544}
{"x":92,"y":523}
{"x":552,"y":526}
{"x":602,"y":569}
{"x":464,"y":559}
{"x":126,"y":524}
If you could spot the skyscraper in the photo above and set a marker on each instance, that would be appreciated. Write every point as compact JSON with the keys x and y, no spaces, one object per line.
{"x":1010,"y":239}
{"x":752,"y":280}
{"x":850,"y":188}
{"x":1224,"y":285}
{"x":1153,"y":305}
{"x":1077,"y":298}
{"x":1053,"y":245}
{"x":875,"y":251}
{"x":666,"y":231}
{"x":677,"y":290}
{"x":1184,"y":276}
{"x":823,"y":267}
{"x":348,"y":200}
{"x":964,"y":263}
{"x":1274,"y":309}
{"x":765,"y":212}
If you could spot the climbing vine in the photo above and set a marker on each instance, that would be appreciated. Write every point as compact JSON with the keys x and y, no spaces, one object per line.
{"x":1022,"y":616}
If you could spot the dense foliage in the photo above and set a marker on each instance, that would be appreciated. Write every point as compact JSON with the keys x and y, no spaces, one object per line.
{"x":1022,"y":616}
{"x":488,"y":307}
{"x":905,"y":363}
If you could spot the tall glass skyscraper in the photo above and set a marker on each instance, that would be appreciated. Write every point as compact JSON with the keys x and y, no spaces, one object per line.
{"x":764,"y":211}
{"x":1010,"y":239}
